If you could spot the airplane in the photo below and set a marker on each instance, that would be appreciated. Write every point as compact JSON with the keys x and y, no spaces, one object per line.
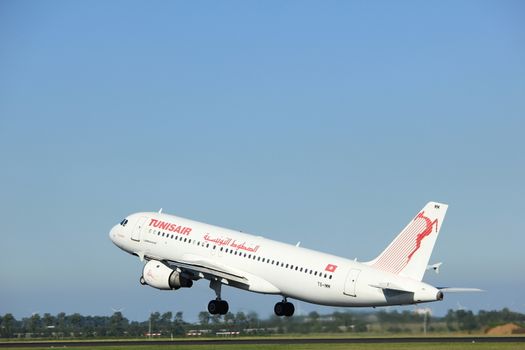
{"x":179,"y":251}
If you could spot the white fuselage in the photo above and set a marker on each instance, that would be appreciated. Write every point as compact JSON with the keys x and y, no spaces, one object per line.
{"x":269,"y":267}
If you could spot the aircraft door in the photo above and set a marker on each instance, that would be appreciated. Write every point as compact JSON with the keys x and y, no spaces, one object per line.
{"x":135,"y":234}
{"x":351,"y":281}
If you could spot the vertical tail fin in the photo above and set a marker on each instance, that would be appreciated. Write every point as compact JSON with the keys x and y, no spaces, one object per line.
{"x":410,"y":251}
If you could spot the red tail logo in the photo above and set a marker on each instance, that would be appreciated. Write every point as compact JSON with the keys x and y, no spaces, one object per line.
{"x":400,"y":252}
{"x":427,"y":231}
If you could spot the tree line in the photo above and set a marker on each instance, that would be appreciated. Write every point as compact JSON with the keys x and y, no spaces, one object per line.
{"x":169,"y":324}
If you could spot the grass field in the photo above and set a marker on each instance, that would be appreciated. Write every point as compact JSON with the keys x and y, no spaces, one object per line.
{"x":396,"y":346}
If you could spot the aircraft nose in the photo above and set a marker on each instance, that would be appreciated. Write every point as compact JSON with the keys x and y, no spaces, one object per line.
{"x":113,"y":233}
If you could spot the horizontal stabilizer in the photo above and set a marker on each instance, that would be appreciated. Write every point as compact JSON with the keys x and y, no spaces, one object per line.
{"x":435,"y":267}
{"x":391,"y":286}
{"x":459,"y":290}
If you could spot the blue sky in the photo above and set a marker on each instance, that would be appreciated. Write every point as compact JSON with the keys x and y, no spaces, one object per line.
{"x":329,"y":123}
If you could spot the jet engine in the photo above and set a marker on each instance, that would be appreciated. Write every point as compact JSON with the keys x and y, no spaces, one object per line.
{"x":157,"y":275}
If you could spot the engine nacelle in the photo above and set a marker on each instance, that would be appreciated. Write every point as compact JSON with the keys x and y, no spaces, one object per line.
{"x":160,"y":276}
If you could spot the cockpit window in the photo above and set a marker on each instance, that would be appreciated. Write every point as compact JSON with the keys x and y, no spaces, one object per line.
{"x":124,"y":222}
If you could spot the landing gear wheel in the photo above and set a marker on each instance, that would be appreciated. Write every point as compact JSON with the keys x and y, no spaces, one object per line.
{"x":220,"y":307}
{"x":279,"y":309}
{"x":213,"y":307}
{"x":217,"y":306}
{"x":284,"y":308}
{"x":142,"y":280}
{"x":289,"y":309}
{"x":224,"y":307}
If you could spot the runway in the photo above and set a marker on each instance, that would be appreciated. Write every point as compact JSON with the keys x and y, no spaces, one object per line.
{"x":270,"y":341}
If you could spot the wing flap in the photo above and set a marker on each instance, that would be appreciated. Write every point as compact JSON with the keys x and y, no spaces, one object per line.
{"x":209,"y":269}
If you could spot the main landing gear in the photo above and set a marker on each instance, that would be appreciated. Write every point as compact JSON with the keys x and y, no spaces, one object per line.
{"x":220,"y":307}
{"x":217,"y":306}
{"x":284,"y":308}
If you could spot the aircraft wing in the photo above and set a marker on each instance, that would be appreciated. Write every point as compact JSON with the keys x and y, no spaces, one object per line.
{"x":202,"y":266}
{"x":209,"y":269}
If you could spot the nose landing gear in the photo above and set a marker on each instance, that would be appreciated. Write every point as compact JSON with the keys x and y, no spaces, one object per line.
{"x":284,"y":308}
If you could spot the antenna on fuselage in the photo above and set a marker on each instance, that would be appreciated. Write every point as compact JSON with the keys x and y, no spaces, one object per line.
{"x":160,"y":211}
